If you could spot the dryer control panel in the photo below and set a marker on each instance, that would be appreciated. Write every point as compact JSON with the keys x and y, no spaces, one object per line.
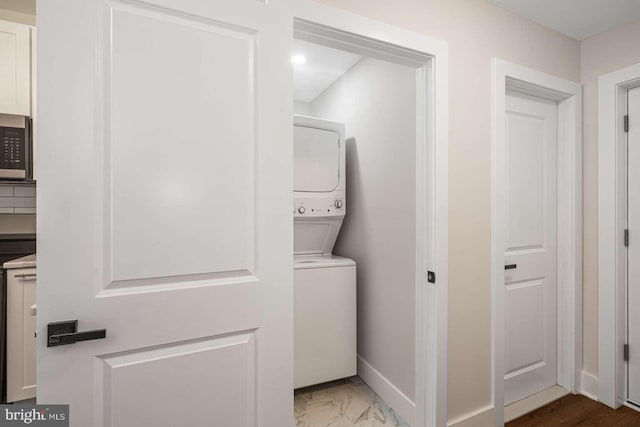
{"x":320,"y":206}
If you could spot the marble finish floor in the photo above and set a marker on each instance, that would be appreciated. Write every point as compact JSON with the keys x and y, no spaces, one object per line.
{"x":344,"y":403}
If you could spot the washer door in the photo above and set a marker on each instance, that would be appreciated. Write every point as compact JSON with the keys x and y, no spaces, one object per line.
{"x":317,"y":159}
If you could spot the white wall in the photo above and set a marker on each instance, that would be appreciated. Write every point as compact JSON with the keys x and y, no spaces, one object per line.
{"x":476,"y":31}
{"x":302,"y":108}
{"x":600,"y":55}
{"x":376,"y":101}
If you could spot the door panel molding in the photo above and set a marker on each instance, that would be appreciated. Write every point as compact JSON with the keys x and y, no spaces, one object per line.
{"x":568,"y":94}
{"x":136,"y":138}
{"x":228,"y":357}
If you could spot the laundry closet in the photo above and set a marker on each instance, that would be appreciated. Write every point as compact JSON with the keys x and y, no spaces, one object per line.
{"x":354,"y":213}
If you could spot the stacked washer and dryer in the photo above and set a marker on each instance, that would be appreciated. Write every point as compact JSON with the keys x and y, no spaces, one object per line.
{"x":324,"y":284}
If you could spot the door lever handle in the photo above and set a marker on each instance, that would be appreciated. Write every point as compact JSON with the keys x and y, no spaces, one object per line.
{"x":64,"y":333}
{"x":510,"y":266}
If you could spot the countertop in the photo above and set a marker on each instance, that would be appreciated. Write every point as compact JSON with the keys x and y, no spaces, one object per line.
{"x":28,"y":261}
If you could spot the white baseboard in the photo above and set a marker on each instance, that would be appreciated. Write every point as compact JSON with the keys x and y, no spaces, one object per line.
{"x":395,"y":398}
{"x":483,"y":417}
{"x":533,"y":402}
{"x":589,"y":386}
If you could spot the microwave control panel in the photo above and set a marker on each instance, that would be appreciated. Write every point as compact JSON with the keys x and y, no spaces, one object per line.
{"x":13,"y":156}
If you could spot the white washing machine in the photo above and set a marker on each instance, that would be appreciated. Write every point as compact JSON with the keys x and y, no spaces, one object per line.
{"x":324,"y":319}
{"x":324,"y":285}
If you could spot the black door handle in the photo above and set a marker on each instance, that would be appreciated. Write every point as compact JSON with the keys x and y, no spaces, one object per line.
{"x":510,"y":266}
{"x":63,"y":333}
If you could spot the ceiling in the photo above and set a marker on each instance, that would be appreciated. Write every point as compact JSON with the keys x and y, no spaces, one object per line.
{"x":322,"y":68}
{"x":579,"y":19}
{"x":22,"y":6}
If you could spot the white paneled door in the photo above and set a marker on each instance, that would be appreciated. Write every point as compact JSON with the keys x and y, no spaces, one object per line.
{"x":530,"y":257}
{"x":164,"y":211}
{"x":633,"y":185}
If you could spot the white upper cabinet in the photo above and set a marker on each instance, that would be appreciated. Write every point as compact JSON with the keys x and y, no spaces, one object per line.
{"x":15,"y":69}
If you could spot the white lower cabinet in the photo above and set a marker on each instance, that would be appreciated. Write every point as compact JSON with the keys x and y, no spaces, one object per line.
{"x":21,"y":340}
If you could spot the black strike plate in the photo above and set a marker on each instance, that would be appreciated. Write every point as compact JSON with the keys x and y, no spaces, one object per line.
{"x":431,"y":277}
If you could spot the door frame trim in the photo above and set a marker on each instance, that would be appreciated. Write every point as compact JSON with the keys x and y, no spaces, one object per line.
{"x":568,"y":94}
{"x":341,"y":29}
{"x":612,"y":205}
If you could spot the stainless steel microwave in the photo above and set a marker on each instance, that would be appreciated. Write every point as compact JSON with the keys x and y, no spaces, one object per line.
{"x":16,"y":157}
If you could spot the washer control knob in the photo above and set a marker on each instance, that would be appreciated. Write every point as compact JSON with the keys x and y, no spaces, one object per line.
{"x":301,"y":209}
{"x":338,"y":204}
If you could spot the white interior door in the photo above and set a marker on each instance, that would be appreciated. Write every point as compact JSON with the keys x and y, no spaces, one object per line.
{"x":164,"y":211}
{"x":633,"y":262}
{"x":530,"y":257}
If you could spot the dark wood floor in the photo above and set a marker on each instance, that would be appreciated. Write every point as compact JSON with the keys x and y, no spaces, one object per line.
{"x":577,"y":410}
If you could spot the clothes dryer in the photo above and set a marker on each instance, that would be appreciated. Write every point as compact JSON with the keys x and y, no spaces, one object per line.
{"x":324,"y":285}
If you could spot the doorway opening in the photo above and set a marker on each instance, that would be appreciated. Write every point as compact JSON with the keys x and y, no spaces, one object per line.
{"x":633,"y":260}
{"x":371,"y":103}
{"x":536,"y":238}
{"x":618,"y":94}
{"x":376,"y":100}
{"x":530,"y":288}
{"x":626,"y":381}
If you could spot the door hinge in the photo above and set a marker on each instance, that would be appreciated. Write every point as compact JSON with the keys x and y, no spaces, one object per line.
{"x":625,"y":352}
{"x":626,"y":237}
{"x":626,"y":123}
{"x":431,"y":277}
